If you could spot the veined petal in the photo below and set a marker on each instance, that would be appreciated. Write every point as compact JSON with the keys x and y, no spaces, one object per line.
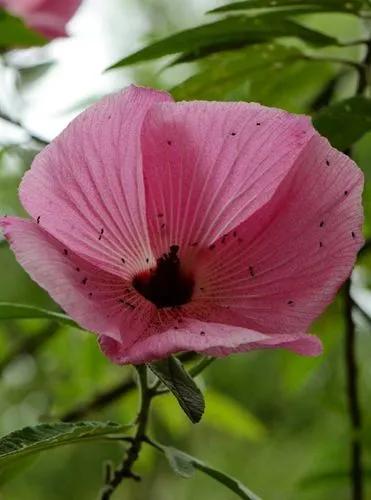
{"x":215,"y":339}
{"x":281,"y":267}
{"x":97,"y":300}
{"x":86,"y":187}
{"x":209,"y":166}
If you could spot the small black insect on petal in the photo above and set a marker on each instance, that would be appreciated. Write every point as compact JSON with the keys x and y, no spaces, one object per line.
{"x":327,"y":163}
{"x":320,"y":244}
{"x":101,"y":234}
{"x":346,"y":193}
{"x":84,"y":281}
{"x":169,"y":143}
{"x":258,"y":124}
{"x":321,"y":224}
{"x":77,"y":269}
{"x":353,"y":234}
{"x":38,"y":220}
{"x":233,"y":133}
{"x":290,"y":302}
{"x":123,"y":260}
{"x":65,"y":251}
{"x":251,"y":270}
{"x":202,"y":333}
{"x":90,"y":294}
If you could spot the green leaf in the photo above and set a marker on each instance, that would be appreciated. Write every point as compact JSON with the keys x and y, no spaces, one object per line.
{"x":21,"y":311}
{"x":185,"y":465}
{"x":173,"y":375}
{"x":305,"y":6}
{"x":236,"y":31}
{"x":31,"y":440}
{"x":222,"y":73}
{"x":345,"y":122}
{"x":179,"y":462}
{"x":14,"y":33}
{"x":292,"y":85}
{"x":271,"y":74}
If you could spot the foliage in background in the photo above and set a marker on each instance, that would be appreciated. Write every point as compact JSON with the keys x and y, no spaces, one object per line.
{"x":276,"y":421}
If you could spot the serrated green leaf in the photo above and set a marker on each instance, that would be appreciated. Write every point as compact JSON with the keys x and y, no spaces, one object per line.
{"x":236,"y":31}
{"x":184,"y":465}
{"x":173,"y":375}
{"x":20,"y":311}
{"x":14,"y":33}
{"x":306,"y":6}
{"x":31,"y":440}
{"x":345,"y":122}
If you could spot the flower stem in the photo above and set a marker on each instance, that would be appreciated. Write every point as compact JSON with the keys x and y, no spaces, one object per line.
{"x":115,"y":478}
{"x":356,"y":472}
{"x":353,"y":397}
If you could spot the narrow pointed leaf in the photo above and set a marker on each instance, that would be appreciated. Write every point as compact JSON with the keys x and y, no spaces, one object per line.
{"x":9,"y":310}
{"x":345,"y":122}
{"x":306,"y":5}
{"x":185,"y":465}
{"x":236,"y":31}
{"x":173,"y":375}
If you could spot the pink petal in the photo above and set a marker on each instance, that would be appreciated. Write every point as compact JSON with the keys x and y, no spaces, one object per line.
{"x":283,"y":266}
{"x":95,"y":299}
{"x":86,"y":187}
{"x":214,"y":339}
{"x":49,"y":17}
{"x":209,"y":166}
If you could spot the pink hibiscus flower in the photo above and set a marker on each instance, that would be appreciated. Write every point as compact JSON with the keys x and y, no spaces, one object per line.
{"x":194,"y":226}
{"x":48,"y":17}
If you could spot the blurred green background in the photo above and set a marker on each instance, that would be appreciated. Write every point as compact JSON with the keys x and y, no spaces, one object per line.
{"x":274,"y":420}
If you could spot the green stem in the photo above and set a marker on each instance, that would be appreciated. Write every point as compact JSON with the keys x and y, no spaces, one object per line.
{"x":115,"y":478}
{"x":355,"y":415}
{"x":17,"y":123}
{"x":353,"y":397}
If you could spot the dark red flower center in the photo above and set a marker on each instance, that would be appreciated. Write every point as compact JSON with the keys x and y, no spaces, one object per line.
{"x":166,"y":285}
